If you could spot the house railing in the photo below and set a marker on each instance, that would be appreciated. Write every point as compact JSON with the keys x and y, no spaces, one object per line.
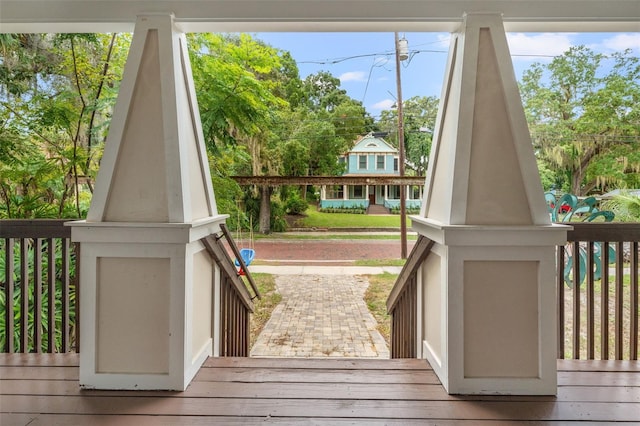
{"x":39,"y":309}
{"x":598,"y":310}
{"x":597,"y":285}
{"x":236,"y":301}
{"x":402,"y":303}
{"x":597,"y":318}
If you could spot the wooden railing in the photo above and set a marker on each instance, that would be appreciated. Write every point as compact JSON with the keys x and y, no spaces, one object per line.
{"x":38,"y":285}
{"x":597,"y":285}
{"x":402,"y":303}
{"x":236,"y":302}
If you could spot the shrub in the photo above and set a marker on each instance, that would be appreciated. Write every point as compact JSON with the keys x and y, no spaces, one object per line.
{"x":278,"y":223}
{"x":352,"y":210}
{"x":295,"y":204}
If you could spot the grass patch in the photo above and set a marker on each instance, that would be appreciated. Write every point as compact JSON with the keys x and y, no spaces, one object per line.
{"x":379,"y":262}
{"x":316,"y":219}
{"x":265,"y":306}
{"x":376,"y":299}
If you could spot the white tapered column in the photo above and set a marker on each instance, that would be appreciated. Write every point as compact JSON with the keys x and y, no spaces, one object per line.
{"x":146,"y":281}
{"x":487,"y":290}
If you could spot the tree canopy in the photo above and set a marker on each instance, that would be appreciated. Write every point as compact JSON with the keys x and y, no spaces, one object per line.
{"x":259,"y":117}
{"x":584,"y":114}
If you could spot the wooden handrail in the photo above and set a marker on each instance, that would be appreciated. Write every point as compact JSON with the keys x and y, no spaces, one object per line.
{"x":236,"y":303}
{"x":604,"y":231}
{"x":417,"y":256}
{"x":34,"y":228}
{"x":221,"y":257}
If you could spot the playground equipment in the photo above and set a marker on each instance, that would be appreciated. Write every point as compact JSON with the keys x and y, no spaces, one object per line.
{"x":248,"y":253}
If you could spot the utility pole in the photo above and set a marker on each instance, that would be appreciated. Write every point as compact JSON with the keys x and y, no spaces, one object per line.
{"x":403,"y":191}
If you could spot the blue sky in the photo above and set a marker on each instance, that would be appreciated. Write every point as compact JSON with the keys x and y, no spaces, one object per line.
{"x":365,"y":62}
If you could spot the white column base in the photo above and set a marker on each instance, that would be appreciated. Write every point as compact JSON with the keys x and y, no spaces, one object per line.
{"x":489,"y":308}
{"x":147,"y":303}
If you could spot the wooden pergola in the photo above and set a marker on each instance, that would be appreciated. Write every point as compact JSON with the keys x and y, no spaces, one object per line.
{"x":328,"y":180}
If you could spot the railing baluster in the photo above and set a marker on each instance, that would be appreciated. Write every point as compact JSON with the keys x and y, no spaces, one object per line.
{"x":9,"y":295}
{"x":590,"y":301}
{"x":402,"y":302}
{"x":51,"y":295}
{"x":24,"y":295}
{"x":633,"y":302}
{"x":560,"y":304}
{"x":619,"y":299}
{"x":37,"y":295}
{"x":223,"y":317}
{"x":65,"y":297}
{"x":576,"y":300}
{"x":76,"y":278}
{"x":604,"y":303}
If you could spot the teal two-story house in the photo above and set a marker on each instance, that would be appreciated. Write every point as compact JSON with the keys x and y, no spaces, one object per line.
{"x":371,"y":155}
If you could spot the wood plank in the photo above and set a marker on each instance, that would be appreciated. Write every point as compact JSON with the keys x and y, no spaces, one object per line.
{"x":67,"y":419}
{"x":39,"y":360}
{"x":40,"y":373}
{"x":485,"y":410}
{"x":320,"y":363}
{"x":393,"y":391}
{"x":598,"y":378}
{"x":316,"y":376}
{"x":251,"y":375}
{"x":599,"y":365}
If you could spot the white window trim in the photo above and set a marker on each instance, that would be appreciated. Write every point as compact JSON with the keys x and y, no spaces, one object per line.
{"x":366,"y":156}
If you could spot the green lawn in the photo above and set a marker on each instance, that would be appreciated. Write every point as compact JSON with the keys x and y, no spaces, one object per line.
{"x":316,"y":219}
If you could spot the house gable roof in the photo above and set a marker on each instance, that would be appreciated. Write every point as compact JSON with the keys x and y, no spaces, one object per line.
{"x":370,"y":143}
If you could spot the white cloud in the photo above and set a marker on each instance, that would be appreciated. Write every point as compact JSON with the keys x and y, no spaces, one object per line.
{"x":444,"y":40}
{"x":533,"y":47}
{"x":538,"y":47}
{"x":386,"y":104}
{"x":352,"y":76}
{"x":621,"y":42}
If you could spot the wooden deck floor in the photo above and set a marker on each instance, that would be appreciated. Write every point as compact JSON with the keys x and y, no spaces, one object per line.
{"x":43,"y":390}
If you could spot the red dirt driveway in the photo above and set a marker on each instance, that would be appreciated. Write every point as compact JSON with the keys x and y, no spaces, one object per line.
{"x":328,"y":250}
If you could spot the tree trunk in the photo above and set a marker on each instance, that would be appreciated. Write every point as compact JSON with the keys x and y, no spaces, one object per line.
{"x":265,"y":210}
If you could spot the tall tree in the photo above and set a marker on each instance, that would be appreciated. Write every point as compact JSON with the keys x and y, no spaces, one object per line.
{"x":240,"y":82}
{"x":419,"y":121}
{"x":56,"y":93}
{"x":584,"y":114}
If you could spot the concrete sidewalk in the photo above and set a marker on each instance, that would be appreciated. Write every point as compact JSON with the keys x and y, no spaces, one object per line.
{"x":307,"y":269}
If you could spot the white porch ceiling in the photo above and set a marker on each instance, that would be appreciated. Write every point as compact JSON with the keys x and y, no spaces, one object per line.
{"x":318,"y":15}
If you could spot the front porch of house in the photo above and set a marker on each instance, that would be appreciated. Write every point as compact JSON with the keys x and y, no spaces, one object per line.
{"x":42,"y":389}
{"x":601,"y":383}
{"x":365,"y":195}
{"x":446,"y":308}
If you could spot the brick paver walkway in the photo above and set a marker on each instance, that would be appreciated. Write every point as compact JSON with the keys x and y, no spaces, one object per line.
{"x":321,"y":316}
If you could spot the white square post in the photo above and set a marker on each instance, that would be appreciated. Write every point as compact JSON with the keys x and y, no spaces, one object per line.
{"x":147,"y":284}
{"x":487,"y":287}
